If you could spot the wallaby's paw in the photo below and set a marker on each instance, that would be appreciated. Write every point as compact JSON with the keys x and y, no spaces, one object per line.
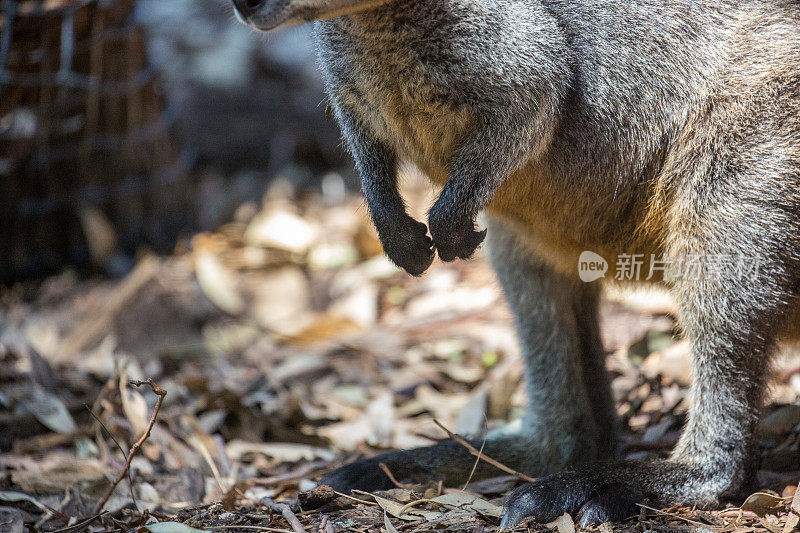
{"x":365,"y":475}
{"x":590,"y":495}
{"x":455,"y":239}
{"x":408,"y":246}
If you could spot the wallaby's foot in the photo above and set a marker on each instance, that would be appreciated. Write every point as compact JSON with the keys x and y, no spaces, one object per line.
{"x":610,"y":492}
{"x":454,"y":237}
{"x":407,"y":244}
{"x":365,"y":475}
{"x":447,"y":461}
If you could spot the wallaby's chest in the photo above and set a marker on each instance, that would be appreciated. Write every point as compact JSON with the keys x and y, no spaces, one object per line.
{"x":403,"y":92}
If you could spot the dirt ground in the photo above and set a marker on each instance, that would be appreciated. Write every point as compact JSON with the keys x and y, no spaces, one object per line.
{"x":286,"y":345}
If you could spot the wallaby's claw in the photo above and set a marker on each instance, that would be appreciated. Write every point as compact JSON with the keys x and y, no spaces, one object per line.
{"x":456,"y":240}
{"x":408,"y":246}
{"x":589,"y":498}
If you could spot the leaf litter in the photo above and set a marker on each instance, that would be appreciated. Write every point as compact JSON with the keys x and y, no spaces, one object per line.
{"x":288,"y":344}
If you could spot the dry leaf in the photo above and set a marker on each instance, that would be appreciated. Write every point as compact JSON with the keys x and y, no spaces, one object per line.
{"x":793,"y":520}
{"x":325,"y":327}
{"x":282,"y":230}
{"x":13,"y":496}
{"x":282,"y":451}
{"x":470,"y":502}
{"x":134,"y":405}
{"x":563,"y":524}
{"x":762,"y":503}
{"x":405,"y":512}
{"x":217,"y":282}
{"x":386,"y":523}
{"x":50,"y":411}
{"x":99,"y":234}
{"x":281,"y":300}
{"x":60,"y":472}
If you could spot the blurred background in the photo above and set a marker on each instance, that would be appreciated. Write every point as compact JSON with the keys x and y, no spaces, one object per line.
{"x":132,"y":123}
{"x":175,"y":206}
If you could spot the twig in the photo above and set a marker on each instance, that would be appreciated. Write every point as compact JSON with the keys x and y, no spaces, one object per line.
{"x":480,"y":455}
{"x":673,"y":515}
{"x":793,"y":518}
{"x":161,"y":393}
{"x":287,"y":513}
{"x":475,"y":466}
{"x":325,"y":525}
{"x":365,"y":502}
{"x":119,"y":446}
{"x":79,"y":525}
{"x":289,"y":476}
{"x":391,"y":476}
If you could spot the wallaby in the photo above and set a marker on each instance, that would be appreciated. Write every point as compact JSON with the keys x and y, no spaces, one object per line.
{"x":666,"y":128}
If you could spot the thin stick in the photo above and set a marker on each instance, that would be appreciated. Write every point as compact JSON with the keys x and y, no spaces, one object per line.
{"x":391,"y":476}
{"x":135,"y":448}
{"x":475,"y":466}
{"x":365,"y":502}
{"x":287,"y":513}
{"x":119,"y":446}
{"x":289,"y":476}
{"x":679,"y":517}
{"x":79,"y":525}
{"x":480,"y":455}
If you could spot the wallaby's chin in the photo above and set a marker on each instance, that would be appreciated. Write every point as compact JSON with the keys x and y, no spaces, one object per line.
{"x":275,"y":14}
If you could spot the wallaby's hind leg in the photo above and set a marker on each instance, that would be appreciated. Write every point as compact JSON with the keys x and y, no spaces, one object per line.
{"x":570,"y":407}
{"x":556,"y":319}
{"x":733,"y":302}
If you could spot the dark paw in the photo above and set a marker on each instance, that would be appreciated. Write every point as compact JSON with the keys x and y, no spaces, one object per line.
{"x":407,"y":244}
{"x":591,"y":498}
{"x":454,"y":238}
{"x":365,"y":475}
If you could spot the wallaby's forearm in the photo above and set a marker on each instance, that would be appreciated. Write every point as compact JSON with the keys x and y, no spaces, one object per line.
{"x":497,"y":146}
{"x":404,"y":240}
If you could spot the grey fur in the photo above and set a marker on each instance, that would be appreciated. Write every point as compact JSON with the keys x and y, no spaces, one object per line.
{"x":637,"y":126}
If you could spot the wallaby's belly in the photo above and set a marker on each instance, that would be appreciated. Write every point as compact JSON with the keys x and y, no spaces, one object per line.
{"x":557,"y":221}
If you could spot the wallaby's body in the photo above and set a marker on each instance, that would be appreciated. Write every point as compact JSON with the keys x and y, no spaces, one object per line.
{"x":634,"y":127}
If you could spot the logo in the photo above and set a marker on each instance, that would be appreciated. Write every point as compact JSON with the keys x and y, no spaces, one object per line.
{"x":591,"y":267}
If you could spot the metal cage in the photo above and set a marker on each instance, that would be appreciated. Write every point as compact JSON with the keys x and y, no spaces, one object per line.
{"x":83,"y":126}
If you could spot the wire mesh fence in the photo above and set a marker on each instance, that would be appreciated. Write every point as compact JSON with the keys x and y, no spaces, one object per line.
{"x":83,"y":129}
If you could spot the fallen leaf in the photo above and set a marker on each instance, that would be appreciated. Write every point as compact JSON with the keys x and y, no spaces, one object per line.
{"x":13,"y":496}
{"x":762,"y":503}
{"x":793,"y":520}
{"x":133,"y":405}
{"x":323,"y":328}
{"x":61,"y":472}
{"x":282,"y":451}
{"x":386,"y":523}
{"x":50,"y":411}
{"x":281,"y":300}
{"x":101,"y":239}
{"x":404,"y":512}
{"x":280,"y":229}
{"x":471,"y":502}
{"x":562,"y":524}
{"x":217,"y":282}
